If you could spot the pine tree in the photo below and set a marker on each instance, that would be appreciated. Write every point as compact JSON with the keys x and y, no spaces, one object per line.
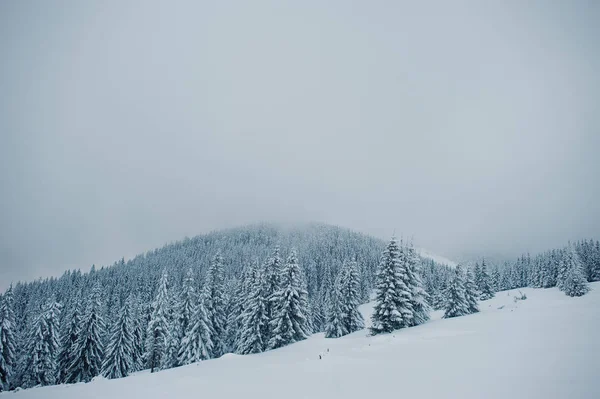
{"x":189,"y":298}
{"x":595,"y":260}
{"x":485,"y":290}
{"x":69,"y":340}
{"x":40,"y":367}
{"x":137,"y":354}
{"x":392,"y":301}
{"x":171,"y":357}
{"x":419,"y":298}
{"x":334,"y":327}
{"x":456,"y":304}
{"x":89,"y":349}
{"x":290,"y":303}
{"x":255,"y":325}
{"x":572,"y":277}
{"x":349,"y":297}
{"x":272,"y":284}
{"x":215,"y":304}
{"x":477,"y":276}
{"x":118,"y":362}
{"x":158,"y":329}
{"x":8,"y":341}
{"x":196,"y":344}
{"x":471,"y":293}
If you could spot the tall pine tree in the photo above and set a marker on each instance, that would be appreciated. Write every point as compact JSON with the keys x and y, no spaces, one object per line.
{"x":89,"y":350}
{"x":349,"y":297}
{"x":456,"y":301}
{"x":157,"y":335}
{"x":8,"y":340}
{"x":118,"y":362}
{"x":290,"y":304}
{"x":215,"y":304}
{"x":392,"y":301}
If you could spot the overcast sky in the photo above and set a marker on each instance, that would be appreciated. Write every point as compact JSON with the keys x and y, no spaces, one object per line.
{"x":474,"y":126}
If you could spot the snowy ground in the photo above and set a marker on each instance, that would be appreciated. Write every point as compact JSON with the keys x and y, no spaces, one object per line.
{"x":544,"y":347}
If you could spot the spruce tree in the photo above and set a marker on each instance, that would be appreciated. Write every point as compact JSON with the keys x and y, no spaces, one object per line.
{"x":334,"y":327}
{"x":215,"y":304}
{"x":595,"y":262}
{"x":69,"y":340}
{"x":419,"y":298}
{"x":471,"y":293}
{"x":196,"y":344}
{"x":40,"y":367}
{"x":118,"y":362}
{"x":137,"y":354}
{"x":8,"y":340}
{"x":572,"y":278}
{"x":272,"y":284}
{"x":171,"y":357}
{"x":392,"y":301}
{"x":349,"y":297}
{"x":89,"y":350}
{"x":290,"y":303}
{"x":477,"y":277}
{"x":456,"y":302}
{"x":495,"y":280}
{"x":157,"y":335}
{"x":254,"y":334}
{"x":485,"y":290}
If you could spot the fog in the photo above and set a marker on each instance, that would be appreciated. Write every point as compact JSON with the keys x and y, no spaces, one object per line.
{"x":471,"y":126}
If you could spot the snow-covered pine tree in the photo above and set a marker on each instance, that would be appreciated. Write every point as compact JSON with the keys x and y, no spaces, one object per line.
{"x":334,"y":327}
{"x":196,"y":344}
{"x":69,"y":339}
{"x":290,"y":303}
{"x":157,"y":335}
{"x":8,"y":340}
{"x":419,"y":298}
{"x":232,"y":309}
{"x":255,"y":321}
{"x":236,"y":309}
{"x":40,"y":365}
{"x":349,"y":297}
{"x":595,"y":266}
{"x":89,"y":350}
{"x":477,"y":277}
{"x":272,"y":285}
{"x":321,"y":304}
{"x":392,"y":301}
{"x":471,"y":292}
{"x":456,"y":302}
{"x":495,"y":280}
{"x":485,"y":290}
{"x":118,"y":361}
{"x":572,"y":280}
{"x":189,"y":299}
{"x":137,"y":354}
{"x":215,"y":304}
{"x":171,"y":357}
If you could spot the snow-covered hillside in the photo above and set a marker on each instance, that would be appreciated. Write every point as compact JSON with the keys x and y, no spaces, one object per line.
{"x":543,"y":347}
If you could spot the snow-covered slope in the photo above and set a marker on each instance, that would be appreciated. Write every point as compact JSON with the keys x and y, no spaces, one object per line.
{"x":543,"y":347}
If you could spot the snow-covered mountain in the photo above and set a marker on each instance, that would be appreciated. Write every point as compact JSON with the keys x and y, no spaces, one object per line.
{"x":542,"y":347}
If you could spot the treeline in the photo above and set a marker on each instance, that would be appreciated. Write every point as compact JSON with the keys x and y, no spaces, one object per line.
{"x":237,"y":291}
